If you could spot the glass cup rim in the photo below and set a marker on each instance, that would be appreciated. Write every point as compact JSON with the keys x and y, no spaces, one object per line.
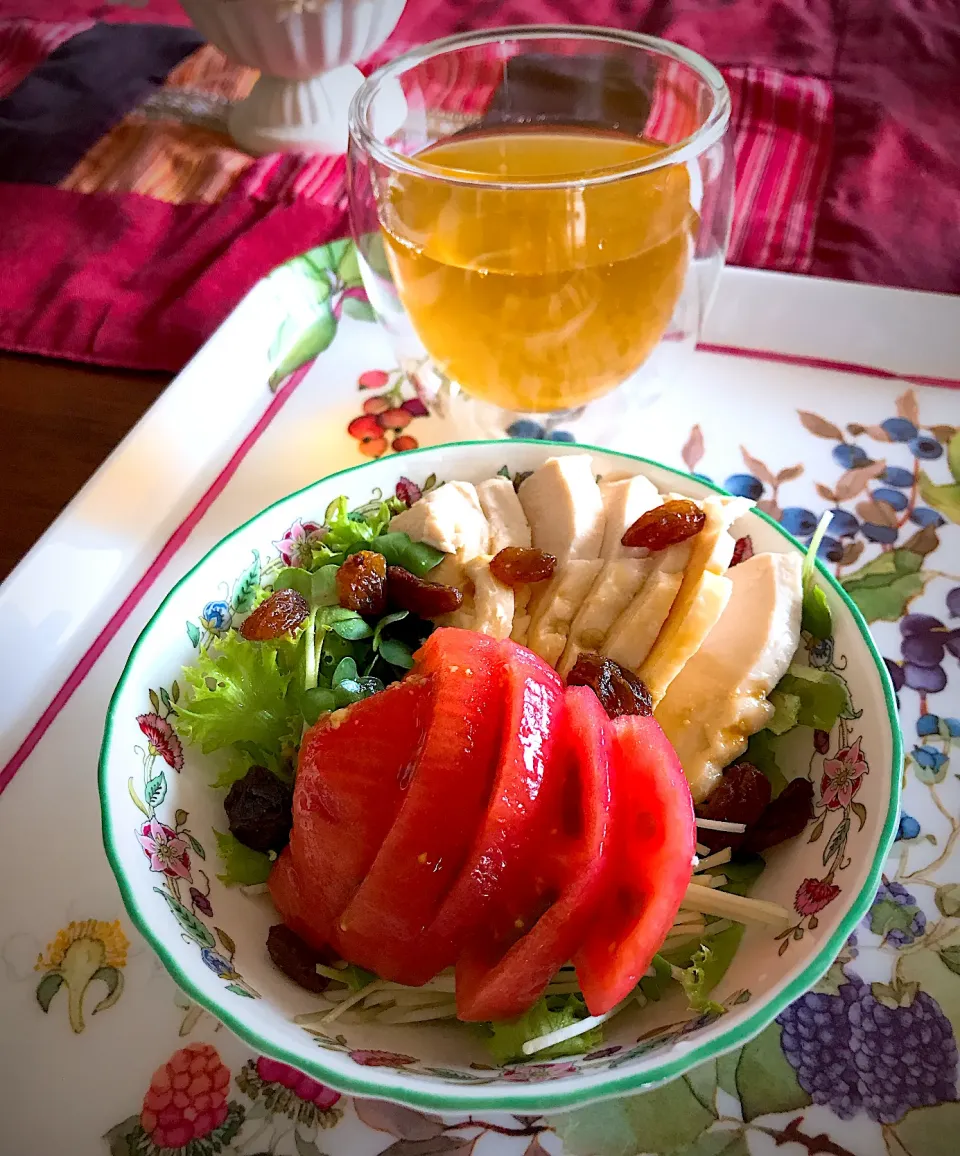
{"x":690,"y":147}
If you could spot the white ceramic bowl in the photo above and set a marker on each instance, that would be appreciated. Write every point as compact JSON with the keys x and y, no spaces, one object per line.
{"x":213,"y":944}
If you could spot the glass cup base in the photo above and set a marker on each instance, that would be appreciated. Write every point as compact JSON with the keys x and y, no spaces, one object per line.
{"x":614,"y":419}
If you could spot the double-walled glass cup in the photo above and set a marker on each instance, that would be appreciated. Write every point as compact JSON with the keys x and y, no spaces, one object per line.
{"x":541,"y":212}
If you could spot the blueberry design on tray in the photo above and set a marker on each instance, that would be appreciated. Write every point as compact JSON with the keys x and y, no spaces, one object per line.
{"x":350,"y":599}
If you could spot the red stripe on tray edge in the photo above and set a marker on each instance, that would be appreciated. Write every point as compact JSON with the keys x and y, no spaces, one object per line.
{"x":127,"y":606}
{"x":826,"y":363}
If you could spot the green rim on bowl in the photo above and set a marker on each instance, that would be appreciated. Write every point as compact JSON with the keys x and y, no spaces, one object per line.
{"x":519,"y":1096}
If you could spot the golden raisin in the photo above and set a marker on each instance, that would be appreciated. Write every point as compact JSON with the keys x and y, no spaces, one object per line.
{"x":619,"y":690}
{"x":674,"y":521}
{"x":362,"y":583}
{"x":517,"y":565}
{"x":282,"y":612}
{"x":405,"y":591}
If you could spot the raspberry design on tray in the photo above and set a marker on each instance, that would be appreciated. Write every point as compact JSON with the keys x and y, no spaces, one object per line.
{"x":383,"y":423}
{"x":285,"y":1091}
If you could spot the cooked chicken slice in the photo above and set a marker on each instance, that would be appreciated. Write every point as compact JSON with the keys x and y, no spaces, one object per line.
{"x":719,"y":699}
{"x":612,"y":591}
{"x":624,"y":500}
{"x":550,"y":625}
{"x":562,"y":502}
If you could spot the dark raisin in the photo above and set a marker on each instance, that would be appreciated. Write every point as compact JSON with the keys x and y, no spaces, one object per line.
{"x":260,"y":810}
{"x":296,"y":958}
{"x":742,"y":550}
{"x":619,"y":690}
{"x":786,"y":817}
{"x":518,"y":565}
{"x":282,"y":612}
{"x":741,"y":796}
{"x":405,"y":591}
{"x":674,"y":521}
{"x":362,"y":583}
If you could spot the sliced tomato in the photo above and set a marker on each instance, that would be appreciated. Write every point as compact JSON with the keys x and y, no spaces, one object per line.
{"x":503,"y":973}
{"x":353,"y":768}
{"x":287,"y":893}
{"x":509,"y":840}
{"x":382,"y":928}
{"x":652,"y":846}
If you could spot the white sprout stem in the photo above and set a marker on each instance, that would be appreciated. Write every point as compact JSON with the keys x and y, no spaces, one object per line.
{"x":684,"y":917}
{"x":717,"y":926}
{"x":417,"y":997}
{"x":710,"y":901}
{"x":702,"y":849}
{"x":444,"y":1011}
{"x":355,"y":998}
{"x":531,"y":1047}
{"x":330,"y":973}
{"x":714,"y":860}
{"x":444,"y":983}
{"x":717,"y":881}
{"x":683,"y":935}
{"x":722,"y":825}
{"x":253,"y":889}
{"x":335,"y":995}
{"x":310,"y":653}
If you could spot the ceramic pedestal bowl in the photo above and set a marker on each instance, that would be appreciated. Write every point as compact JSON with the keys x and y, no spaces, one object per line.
{"x":306,"y":52}
{"x":159,"y":812}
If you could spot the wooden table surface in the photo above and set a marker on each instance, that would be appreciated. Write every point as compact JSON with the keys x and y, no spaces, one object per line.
{"x":58,"y":421}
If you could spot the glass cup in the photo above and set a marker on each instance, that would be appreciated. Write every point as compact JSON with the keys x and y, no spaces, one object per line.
{"x":541,"y":213}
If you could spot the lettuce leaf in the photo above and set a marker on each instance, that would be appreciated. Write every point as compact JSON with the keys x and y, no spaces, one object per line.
{"x":236,"y":694}
{"x":652,"y":986}
{"x":823,"y":696}
{"x":547,"y":1015}
{"x":703,"y":974}
{"x":400,"y":550}
{"x":786,"y":707}
{"x":762,"y":753}
{"x":741,"y":872}
{"x":356,"y":977}
{"x":241,"y":865}
{"x":347,"y":531}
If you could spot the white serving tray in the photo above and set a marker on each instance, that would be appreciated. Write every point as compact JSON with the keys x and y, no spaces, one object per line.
{"x":218,"y":446}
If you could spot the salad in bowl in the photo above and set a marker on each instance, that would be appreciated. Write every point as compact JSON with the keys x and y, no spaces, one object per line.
{"x":533,"y":776}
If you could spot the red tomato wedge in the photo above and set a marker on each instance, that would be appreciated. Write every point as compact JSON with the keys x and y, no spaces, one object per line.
{"x":285,"y":891}
{"x":509,"y":842}
{"x":353,"y":768}
{"x":383,"y":925}
{"x":499,"y":977}
{"x":652,"y":846}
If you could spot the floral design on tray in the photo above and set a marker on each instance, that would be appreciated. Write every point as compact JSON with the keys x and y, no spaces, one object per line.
{"x":83,"y":953}
{"x":331,"y":276}
{"x":387,"y":415}
{"x":897,"y":494}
